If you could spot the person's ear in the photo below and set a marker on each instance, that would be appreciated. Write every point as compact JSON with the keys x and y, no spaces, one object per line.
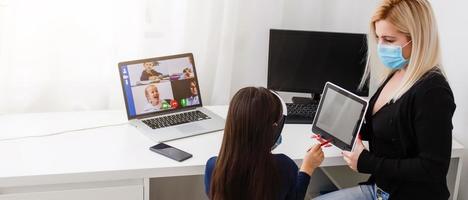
{"x":275,"y":124}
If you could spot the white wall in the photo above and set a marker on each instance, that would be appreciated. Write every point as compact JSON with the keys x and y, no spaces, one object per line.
{"x":251,"y":41}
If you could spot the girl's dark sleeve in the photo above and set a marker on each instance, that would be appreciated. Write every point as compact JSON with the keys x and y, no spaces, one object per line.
{"x":299,"y":181}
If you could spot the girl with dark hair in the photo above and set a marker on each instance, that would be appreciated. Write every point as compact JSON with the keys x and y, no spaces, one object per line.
{"x":246,"y":168}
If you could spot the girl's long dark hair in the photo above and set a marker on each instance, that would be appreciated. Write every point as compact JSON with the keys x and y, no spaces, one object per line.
{"x":245,"y":168}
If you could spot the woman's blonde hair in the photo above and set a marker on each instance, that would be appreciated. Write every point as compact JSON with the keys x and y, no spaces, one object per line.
{"x":414,"y":18}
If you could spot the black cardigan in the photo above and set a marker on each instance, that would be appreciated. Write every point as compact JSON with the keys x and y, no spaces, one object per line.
{"x":410,"y":141}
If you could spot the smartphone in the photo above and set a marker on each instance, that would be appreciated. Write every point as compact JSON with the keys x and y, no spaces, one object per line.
{"x":171,"y":152}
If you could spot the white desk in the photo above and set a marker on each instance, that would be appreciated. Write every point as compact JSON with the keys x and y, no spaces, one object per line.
{"x":111,"y":162}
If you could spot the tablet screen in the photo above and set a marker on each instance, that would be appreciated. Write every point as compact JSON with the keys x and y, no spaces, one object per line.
{"x":339,"y":115}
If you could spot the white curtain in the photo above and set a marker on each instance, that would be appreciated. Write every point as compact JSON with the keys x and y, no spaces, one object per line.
{"x":58,"y":55}
{"x":62,"y":55}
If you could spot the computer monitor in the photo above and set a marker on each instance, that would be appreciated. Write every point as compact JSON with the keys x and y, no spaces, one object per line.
{"x":303,"y":61}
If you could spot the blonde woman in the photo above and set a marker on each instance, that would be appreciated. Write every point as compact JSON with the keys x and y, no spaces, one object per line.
{"x":409,"y":121}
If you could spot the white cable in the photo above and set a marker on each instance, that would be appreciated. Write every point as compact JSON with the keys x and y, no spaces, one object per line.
{"x":61,"y":132}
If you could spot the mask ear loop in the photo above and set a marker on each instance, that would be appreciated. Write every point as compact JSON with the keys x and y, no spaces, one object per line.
{"x":406,"y":44}
{"x":404,"y":47}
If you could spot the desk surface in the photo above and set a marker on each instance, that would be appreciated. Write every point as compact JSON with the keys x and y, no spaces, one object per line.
{"x":119,"y":152}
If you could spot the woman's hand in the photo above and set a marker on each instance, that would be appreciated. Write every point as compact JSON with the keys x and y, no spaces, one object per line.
{"x":312,"y":159}
{"x":352,"y":157}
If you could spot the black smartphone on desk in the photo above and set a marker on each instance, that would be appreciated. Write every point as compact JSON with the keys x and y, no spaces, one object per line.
{"x":171,"y":152}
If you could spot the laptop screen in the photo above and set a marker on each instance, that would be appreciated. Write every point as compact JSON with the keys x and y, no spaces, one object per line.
{"x":159,"y":84}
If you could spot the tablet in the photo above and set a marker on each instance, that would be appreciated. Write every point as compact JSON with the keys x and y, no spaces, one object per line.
{"x":339,"y":116}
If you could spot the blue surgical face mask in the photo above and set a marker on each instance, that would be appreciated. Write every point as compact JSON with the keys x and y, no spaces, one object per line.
{"x":392,"y":55}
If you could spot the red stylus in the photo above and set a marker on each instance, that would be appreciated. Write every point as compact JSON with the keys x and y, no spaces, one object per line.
{"x":322,"y":144}
{"x":325,"y":143}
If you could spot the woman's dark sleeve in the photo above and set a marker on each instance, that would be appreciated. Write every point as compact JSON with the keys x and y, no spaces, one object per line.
{"x":432,"y":123}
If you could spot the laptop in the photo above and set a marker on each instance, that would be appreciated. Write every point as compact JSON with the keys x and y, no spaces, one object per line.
{"x":163,"y":99}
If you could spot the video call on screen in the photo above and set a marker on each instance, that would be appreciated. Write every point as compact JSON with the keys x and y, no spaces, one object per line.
{"x":158,"y":85}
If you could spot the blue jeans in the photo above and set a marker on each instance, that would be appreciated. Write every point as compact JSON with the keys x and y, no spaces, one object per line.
{"x":361,"y":192}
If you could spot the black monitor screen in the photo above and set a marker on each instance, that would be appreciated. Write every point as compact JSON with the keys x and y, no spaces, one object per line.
{"x":303,"y":61}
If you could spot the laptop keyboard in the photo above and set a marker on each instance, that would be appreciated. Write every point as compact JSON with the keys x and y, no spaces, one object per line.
{"x":176,"y":119}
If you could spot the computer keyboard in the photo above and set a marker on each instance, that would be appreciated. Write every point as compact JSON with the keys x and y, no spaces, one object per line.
{"x":300,"y":113}
{"x":176,"y":119}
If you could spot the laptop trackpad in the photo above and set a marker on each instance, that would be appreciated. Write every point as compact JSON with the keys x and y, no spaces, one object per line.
{"x":191,"y":128}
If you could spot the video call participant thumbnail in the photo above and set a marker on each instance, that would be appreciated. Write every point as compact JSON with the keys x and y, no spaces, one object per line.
{"x":186,"y":73}
{"x":154,"y":103}
{"x":186,"y":92}
{"x":149,"y":73}
{"x":193,"y":99}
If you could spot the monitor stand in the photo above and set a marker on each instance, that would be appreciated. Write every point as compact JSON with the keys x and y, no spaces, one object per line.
{"x":314,"y":99}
